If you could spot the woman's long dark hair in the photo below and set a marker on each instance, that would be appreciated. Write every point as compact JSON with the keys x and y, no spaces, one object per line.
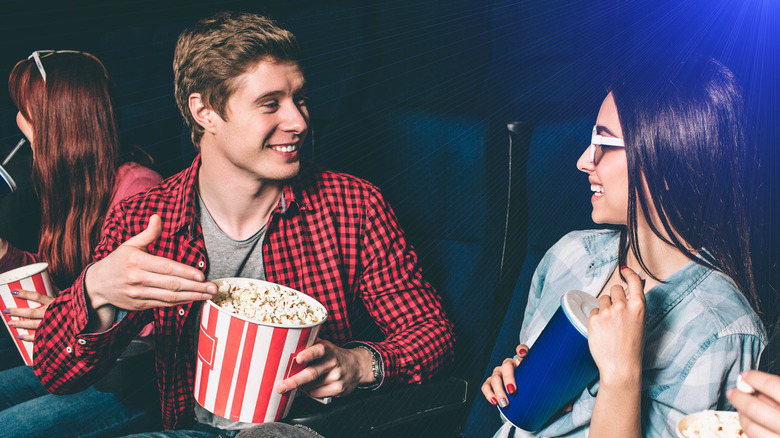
{"x":76,"y":145}
{"x":684,"y":128}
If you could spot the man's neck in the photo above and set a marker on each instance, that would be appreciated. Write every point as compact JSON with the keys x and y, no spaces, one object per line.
{"x":239,"y":205}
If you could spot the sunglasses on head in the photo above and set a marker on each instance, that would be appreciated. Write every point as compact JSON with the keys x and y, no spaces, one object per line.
{"x":40,"y":54}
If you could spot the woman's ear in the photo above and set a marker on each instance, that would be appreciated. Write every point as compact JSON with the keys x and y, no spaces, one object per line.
{"x":203,"y":114}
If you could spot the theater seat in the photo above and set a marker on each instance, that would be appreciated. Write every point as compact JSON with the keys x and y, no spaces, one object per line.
{"x":446,"y":178}
{"x":558,"y":202}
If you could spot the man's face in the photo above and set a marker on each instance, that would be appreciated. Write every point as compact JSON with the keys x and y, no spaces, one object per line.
{"x":265,"y":123}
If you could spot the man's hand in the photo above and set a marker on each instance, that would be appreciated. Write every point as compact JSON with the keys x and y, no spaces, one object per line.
{"x":332,"y":371}
{"x":132,"y":279}
{"x":33,"y":316}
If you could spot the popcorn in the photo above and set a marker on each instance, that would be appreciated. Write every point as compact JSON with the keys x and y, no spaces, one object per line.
{"x":267,"y":303}
{"x":743,"y":386}
{"x":712,"y":424}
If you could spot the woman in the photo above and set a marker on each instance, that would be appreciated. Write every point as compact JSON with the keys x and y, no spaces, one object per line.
{"x":65,"y":112}
{"x":675,"y":326}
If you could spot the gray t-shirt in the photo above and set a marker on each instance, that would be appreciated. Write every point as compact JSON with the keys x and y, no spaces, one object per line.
{"x":228,"y":258}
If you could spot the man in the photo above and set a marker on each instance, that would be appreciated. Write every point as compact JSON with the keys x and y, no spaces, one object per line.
{"x":247,"y":207}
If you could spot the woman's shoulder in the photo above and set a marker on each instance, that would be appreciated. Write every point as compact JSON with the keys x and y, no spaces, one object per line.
{"x":580,"y":258}
{"x":720,"y":301}
{"x":132,"y":178}
{"x":134,"y":171}
{"x":586,"y":242}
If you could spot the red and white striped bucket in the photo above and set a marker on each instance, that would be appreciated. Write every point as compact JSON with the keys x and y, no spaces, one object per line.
{"x":33,"y":277}
{"x":240,"y":360}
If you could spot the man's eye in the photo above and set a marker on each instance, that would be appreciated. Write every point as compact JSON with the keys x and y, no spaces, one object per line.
{"x":302,"y":100}
{"x":272,"y":104}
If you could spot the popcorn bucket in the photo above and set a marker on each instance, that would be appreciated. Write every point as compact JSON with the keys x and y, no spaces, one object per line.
{"x":557,"y":367}
{"x":33,"y":277}
{"x":240,"y":360}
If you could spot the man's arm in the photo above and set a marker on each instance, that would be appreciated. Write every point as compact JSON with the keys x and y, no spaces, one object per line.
{"x":78,"y":339}
{"x":418,"y":336}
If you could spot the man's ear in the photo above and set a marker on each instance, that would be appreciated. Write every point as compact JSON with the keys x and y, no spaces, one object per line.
{"x":202,"y":113}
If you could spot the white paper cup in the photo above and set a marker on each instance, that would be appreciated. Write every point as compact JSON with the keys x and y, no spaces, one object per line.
{"x":240,"y":360}
{"x":33,"y":277}
{"x":688,"y":420}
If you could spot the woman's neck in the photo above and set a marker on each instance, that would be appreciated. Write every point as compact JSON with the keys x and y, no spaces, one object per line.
{"x":660,"y":258}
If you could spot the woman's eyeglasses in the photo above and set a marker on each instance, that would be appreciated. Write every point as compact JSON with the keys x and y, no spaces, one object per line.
{"x":596,"y":141}
{"x":40,"y":54}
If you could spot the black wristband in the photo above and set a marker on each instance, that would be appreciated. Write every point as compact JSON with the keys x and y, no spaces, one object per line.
{"x":376,"y":367}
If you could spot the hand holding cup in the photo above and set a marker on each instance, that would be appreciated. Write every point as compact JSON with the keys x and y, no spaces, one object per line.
{"x":25,"y":292}
{"x":502,"y":381}
{"x":31,"y":317}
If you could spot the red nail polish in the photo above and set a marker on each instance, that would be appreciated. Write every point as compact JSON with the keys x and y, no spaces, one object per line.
{"x":493,"y":401}
{"x":510,"y":389}
{"x":623,"y":267}
{"x":522,"y":351}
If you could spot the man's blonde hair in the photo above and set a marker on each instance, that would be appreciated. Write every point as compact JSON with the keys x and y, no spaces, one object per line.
{"x":212,"y":54}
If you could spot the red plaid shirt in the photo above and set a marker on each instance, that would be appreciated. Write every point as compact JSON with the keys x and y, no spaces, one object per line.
{"x":332,"y":236}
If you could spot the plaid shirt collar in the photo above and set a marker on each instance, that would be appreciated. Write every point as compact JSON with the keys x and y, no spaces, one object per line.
{"x":294,"y":196}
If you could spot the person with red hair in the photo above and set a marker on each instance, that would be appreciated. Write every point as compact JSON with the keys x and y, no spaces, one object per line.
{"x":66,"y":113}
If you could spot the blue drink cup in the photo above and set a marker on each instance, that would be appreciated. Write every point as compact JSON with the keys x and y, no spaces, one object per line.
{"x":557,"y":367}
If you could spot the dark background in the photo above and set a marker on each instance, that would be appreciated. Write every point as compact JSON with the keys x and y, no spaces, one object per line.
{"x":491,"y":61}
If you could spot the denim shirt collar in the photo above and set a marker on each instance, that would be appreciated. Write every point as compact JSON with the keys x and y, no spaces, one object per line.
{"x":662,"y":298}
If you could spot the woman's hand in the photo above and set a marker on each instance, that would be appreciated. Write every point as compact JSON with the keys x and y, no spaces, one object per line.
{"x":759,"y":413}
{"x":616,"y":332}
{"x":502,"y":382}
{"x":33,"y":316}
{"x":616,"y":337}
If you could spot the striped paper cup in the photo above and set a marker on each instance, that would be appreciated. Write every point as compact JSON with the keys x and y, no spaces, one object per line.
{"x":240,"y":360}
{"x":33,"y":277}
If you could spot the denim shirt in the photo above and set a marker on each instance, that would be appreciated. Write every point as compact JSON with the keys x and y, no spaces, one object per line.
{"x":700,"y":333}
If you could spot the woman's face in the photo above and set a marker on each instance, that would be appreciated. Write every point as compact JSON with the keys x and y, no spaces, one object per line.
{"x":608,"y":175}
{"x":24,"y":126}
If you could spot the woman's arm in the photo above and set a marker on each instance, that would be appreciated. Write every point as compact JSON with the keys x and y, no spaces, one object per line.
{"x":616,"y":340}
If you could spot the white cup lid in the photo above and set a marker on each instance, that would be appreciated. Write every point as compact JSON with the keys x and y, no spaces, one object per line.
{"x":577,"y":306}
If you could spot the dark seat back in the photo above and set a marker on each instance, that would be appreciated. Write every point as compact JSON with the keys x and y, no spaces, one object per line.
{"x":446,"y":178}
{"x":557,"y":202}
